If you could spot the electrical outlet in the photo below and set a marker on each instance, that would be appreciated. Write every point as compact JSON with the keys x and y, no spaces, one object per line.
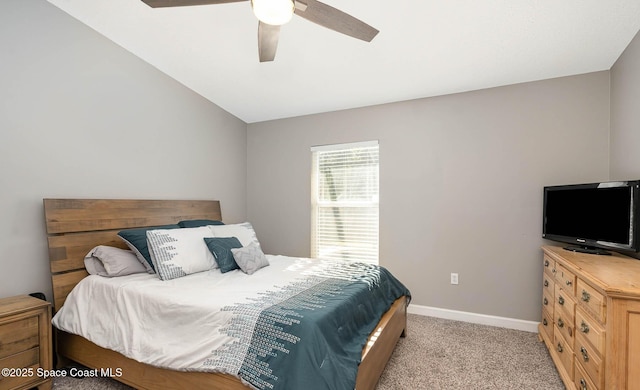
{"x":454,"y":278}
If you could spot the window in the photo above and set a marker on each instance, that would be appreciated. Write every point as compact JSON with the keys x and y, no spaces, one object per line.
{"x":345,"y":201}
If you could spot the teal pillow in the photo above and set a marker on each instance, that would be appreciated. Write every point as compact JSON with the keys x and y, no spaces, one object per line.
{"x":198,"y":222}
{"x":221,"y":249}
{"x":136,"y":240}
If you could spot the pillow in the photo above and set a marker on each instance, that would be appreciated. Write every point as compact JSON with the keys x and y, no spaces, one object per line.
{"x":198,"y":222}
{"x":136,"y":240}
{"x":250,"y":258}
{"x":221,"y":248}
{"x":179,"y":252}
{"x":242,"y":231}
{"x":111,"y":261}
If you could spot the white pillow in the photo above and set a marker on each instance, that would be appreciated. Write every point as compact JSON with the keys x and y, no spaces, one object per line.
{"x":242,"y":231}
{"x":179,"y":252}
{"x":110,"y":261}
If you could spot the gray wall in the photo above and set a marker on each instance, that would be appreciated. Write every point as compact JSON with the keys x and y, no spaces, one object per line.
{"x":82,"y":117}
{"x":461,"y":184}
{"x":625,"y":114}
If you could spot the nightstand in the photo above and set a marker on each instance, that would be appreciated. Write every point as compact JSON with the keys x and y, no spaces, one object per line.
{"x":25,"y":343}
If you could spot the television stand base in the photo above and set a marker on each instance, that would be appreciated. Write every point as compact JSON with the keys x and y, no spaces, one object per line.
{"x":587,"y":249}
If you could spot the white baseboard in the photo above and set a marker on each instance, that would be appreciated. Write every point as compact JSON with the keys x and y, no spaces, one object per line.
{"x":475,"y":318}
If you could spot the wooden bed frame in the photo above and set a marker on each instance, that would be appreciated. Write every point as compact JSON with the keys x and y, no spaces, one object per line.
{"x":75,"y":226}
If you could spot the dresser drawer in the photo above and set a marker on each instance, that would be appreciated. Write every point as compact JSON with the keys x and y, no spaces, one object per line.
{"x":566,"y":279}
{"x":547,"y":324}
{"x":26,"y":360}
{"x":591,"y":330}
{"x":592,"y":300}
{"x":549,"y":265}
{"x":548,"y":283}
{"x":589,"y":360}
{"x":18,"y":335}
{"x":582,"y":380}
{"x":548,"y":301}
{"x":564,"y":301}
{"x":565,"y":326}
{"x":564,"y":350}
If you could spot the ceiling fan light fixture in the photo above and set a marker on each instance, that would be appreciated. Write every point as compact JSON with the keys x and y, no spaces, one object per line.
{"x":273,"y":12}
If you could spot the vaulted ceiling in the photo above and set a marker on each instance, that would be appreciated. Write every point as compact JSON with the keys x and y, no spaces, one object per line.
{"x":424,"y":48}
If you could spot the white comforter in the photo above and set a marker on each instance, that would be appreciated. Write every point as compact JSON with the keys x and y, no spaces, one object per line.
{"x":162,"y":323}
{"x":296,"y":324}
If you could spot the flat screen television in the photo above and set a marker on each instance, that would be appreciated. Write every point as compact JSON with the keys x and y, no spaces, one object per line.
{"x":593,"y":216}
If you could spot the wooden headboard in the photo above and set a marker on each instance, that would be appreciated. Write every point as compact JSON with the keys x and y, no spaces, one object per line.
{"x":75,"y":226}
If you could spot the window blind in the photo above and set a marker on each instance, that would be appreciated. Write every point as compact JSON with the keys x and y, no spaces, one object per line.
{"x":345,"y":202}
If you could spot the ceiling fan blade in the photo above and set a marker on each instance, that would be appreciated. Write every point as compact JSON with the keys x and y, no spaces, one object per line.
{"x":329,"y":17}
{"x":268,"y":36}
{"x":182,"y":3}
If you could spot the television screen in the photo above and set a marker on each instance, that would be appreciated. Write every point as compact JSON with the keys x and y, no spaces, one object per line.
{"x":601,"y":215}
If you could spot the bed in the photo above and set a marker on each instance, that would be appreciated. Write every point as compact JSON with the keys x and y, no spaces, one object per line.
{"x":75,"y":226}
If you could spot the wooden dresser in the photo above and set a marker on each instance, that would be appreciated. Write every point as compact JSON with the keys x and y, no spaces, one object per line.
{"x":591,"y":318}
{"x":25,"y":342}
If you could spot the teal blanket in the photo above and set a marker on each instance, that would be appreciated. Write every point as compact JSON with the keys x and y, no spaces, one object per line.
{"x":310,"y":333}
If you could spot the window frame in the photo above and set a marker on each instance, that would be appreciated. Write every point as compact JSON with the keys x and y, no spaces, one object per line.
{"x":369,"y":249}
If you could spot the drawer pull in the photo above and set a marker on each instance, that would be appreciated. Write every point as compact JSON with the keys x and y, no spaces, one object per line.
{"x":585,"y":355}
{"x":583,"y":384}
{"x":560,"y":323}
{"x":544,"y":322}
{"x":584,"y":328}
{"x":559,"y":348}
{"x":585,"y":296}
{"x":561,"y":300}
{"x":545,"y":301}
{"x":554,"y":270}
{"x":569,"y":282}
{"x":546,"y":283}
{"x":546,"y":263}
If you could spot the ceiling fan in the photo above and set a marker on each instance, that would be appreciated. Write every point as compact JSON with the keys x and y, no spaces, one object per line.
{"x":272,"y":14}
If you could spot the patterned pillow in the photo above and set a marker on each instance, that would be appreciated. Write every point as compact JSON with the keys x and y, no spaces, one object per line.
{"x":179,"y":252}
{"x":242,"y":231}
{"x":250,"y":258}
{"x":221,"y":248}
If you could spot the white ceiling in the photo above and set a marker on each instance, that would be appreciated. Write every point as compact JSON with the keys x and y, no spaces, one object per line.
{"x":424,"y":48}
